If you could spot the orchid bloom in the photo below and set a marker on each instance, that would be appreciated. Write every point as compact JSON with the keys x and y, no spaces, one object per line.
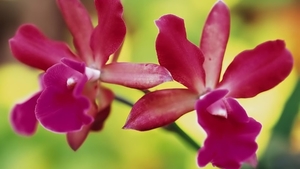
{"x":71,"y":99}
{"x":230,"y":132}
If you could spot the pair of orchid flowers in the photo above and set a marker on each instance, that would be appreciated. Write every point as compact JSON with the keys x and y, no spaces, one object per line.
{"x":72,"y":99}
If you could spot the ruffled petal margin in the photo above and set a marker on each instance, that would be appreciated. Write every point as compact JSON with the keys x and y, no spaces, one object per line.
{"x":61,"y":107}
{"x":230,"y":140}
{"x":100,"y":114}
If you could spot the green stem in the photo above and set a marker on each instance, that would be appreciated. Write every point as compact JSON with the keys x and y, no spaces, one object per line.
{"x":173,"y":127}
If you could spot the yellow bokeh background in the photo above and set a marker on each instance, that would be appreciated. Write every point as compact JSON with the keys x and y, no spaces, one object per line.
{"x":113,"y":148}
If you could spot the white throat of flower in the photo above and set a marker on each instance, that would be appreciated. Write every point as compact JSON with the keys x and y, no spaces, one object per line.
{"x":218,"y":109}
{"x":92,"y":74}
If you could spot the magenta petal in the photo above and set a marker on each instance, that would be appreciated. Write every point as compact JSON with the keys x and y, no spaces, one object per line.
{"x":213,"y":42}
{"x":160,"y":108}
{"x":257,"y":70}
{"x":61,"y":107}
{"x":31,"y":47}
{"x":100,"y":114}
{"x":182,"y":58}
{"x":76,"y":139}
{"x":23,"y":118}
{"x":110,"y":31}
{"x":140,"y":76}
{"x":100,"y":118}
{"x":230,"y":141}
{"x":79,"y":22}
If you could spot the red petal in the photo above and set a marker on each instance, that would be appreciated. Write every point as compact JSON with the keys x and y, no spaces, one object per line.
{"x":213,"y":42}
{"x":23,"y":116}
{"x":110,"y":32}
{"x":76,"y":139}
{"x":159,"y":108}
{"x":182,"y":58}
{"x":100,"y":118}
{"x":79,"y":23}
{"x":140,"y":76}
{"x":61,"y":107}
{"x":257,"y":70}
{"x":31,"y":47}
{"x":105,"y":99}
{"x":230,"y":140}
{"x":100,"y":114}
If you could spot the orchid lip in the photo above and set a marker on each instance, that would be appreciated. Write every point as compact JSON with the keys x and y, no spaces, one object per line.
{"x":92,"y":74}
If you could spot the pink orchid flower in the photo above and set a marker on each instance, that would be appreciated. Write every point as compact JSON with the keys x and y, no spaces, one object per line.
{"x":230,"y":132}
{"x":72,"y":100}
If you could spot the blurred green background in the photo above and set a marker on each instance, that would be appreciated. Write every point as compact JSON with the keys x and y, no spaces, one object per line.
{"x":252,"y":22}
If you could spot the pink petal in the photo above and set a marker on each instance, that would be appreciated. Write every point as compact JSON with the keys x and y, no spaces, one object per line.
{"x":105,"y":99}
{"x":100,"y":118}
{"x":100,"y":114}
{"x":23,"y":118}
{"x":61,"y":107}
{"x":160,"y":108}
{"x":79,"y":22}
{"x":110,"y":31}
{"x":182,"y":58}
{"x":75,"y":139}
{"x":213,"y":42}
{"x":140,"y":76}
{"x":31,"y":47}
{"x":257,"y":70}
{"x":230,"y":141}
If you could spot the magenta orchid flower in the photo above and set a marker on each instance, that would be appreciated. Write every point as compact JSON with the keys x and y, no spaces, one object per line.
{"x":71,"y":99}
{"x":230,"y":132}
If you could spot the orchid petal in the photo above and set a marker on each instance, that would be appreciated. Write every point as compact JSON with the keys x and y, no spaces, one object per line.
{"x":100,"y":118}
{"x":31,"y":47}
{"x":23,"y":116}
{"x":182,"y":58}
{"x":100,"y":113}
{"x":80,"y":25}
{"x":230,"y":140}
{"x":160,"y":108}
{"x":257,"y":70}
{"x":61,"y":107}
{"x":110,"y":31}
{"x":140,"y":76}
{"x":105,"y":99}
{"x":213,"y":42}
{"x":75,"y":139}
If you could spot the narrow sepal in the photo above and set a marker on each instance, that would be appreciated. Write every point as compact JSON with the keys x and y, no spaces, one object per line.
{"x":213,"y":42}
{"x":139,"y":76}
{"x":159,"y":108}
